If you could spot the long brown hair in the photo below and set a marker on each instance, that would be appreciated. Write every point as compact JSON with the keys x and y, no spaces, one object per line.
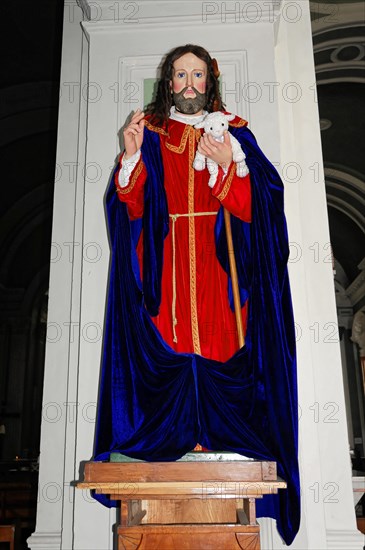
{"x":160,"y":108}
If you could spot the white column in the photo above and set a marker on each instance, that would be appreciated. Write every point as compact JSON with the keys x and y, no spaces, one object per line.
{"x":58,"y":438}
{"x":328,"y":516}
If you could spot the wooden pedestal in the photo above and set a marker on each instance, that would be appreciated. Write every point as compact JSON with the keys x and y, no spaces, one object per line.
{"x":186,"y":505}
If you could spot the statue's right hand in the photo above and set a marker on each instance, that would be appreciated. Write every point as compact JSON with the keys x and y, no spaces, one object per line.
{"x":133,"y":134}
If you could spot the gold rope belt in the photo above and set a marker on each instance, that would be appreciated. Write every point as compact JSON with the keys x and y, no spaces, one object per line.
{"x":174,"y":217}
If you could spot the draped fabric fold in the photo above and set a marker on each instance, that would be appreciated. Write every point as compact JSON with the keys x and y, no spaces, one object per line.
{"x":156,"y":404}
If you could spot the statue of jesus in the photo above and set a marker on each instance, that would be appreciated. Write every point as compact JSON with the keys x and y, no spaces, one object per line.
{"x":173,"y":371}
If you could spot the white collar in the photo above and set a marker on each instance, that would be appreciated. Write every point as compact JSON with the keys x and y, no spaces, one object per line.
{"x":186,"y":119}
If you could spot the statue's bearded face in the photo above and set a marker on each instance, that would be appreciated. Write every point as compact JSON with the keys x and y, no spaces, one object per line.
{"x":188,"y":84}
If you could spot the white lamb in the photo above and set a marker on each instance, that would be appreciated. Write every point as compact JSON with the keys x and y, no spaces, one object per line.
{"x":215,"y":124}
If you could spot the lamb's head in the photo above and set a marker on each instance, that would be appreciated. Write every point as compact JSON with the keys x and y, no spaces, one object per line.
{"x":215,"y":124}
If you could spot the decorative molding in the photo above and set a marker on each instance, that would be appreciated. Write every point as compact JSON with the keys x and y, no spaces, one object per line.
{"x":340,"y":539}
{"x":330,"y":44}
{"x":126,"y":14}
{"x":334,"y":172}
{"x":356,"y":290}
{"x":45,"y":541}
{"x":326,"y":16}
{"x":345,"y":208}
{"x":341,"y":276}
{"x":325,"y":124}
{"x":345,"y":192}
{"x":345,"y":316}
{"x":351,"y":195}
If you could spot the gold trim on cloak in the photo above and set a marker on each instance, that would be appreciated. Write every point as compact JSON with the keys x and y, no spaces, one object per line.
{"x":132,"y":183}
{"x":227,"y":183}
{"x":192,"y":252}
{"x":239,"y":124}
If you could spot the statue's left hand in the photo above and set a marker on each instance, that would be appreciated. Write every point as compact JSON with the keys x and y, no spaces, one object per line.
{"x":221,"y":153}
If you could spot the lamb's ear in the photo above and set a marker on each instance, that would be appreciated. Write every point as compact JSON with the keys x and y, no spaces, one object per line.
{"x":230,"y":117}
{"x":199,"y":125}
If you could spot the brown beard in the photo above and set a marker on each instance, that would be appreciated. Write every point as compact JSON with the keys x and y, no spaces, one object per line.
{"x":190,"y":105}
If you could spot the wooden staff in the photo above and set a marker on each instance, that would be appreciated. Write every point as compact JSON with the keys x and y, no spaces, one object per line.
{"x":234,"y":278}
{"x":227,"y":220}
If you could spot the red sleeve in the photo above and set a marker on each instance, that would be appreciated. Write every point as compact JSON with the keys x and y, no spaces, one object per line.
{"x":234,"y":193}
{"x":132,"y":194}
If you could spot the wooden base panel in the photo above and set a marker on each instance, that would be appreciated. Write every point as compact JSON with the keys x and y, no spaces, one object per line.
{"x":138,"y":472}
{"x":189,"y":537}
{"x":205,"y":505}
{"x":189,"y":511}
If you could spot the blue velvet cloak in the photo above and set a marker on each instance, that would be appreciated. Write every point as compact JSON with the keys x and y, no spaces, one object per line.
{"x":155,"y":404}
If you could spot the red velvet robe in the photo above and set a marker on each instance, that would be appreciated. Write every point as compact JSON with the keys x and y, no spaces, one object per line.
{"x":194,"y":285}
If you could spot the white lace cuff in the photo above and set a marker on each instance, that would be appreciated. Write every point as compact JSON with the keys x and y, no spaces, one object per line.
{"x":127,"y":167}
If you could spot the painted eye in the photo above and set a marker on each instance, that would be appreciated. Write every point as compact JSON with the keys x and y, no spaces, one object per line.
{"x":180,"y":75}
{"x":222,"y":123}
{"x":198,"y":74}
